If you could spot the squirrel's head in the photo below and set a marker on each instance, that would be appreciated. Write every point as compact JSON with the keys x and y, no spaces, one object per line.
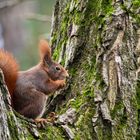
{"x":54,"y":70}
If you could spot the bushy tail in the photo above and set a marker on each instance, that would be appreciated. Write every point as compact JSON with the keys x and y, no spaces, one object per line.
{"x":9,"y":67}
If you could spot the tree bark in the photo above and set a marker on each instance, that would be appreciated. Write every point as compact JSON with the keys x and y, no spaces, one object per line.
{"x":99,"y":43}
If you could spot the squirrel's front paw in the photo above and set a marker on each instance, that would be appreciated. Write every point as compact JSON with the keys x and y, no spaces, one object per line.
{"x":61,"y":83}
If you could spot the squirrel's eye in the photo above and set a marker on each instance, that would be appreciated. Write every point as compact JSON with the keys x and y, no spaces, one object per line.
{"x":57,"y":68}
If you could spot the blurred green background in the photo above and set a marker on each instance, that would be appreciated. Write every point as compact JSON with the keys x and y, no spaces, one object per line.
{"x":37,"y":29}
{"x":22,"y":26}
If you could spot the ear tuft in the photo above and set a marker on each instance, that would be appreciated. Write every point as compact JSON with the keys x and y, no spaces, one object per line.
{"x":45,"y":50}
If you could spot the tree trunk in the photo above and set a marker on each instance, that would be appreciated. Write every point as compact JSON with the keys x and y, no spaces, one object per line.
{"x":99,"y":43}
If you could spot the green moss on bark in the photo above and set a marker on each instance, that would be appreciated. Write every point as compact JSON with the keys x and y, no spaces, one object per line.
{"x":53,"y":133}
{"x":85,"y":70}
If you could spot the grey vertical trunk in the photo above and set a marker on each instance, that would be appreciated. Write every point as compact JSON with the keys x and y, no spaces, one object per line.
{"x":98,"y":42}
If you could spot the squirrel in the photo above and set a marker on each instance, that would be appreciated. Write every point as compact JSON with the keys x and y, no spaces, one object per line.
{"x":30,"y":89}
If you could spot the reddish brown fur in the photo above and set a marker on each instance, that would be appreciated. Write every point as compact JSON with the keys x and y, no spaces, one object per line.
{"x":10,"y":69}
{"x":34,"y":85}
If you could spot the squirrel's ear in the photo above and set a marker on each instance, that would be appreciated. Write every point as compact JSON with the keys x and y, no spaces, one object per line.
{"x":45,"y":50}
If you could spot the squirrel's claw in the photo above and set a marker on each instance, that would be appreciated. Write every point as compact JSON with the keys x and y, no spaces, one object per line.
{"x":41,"y":122}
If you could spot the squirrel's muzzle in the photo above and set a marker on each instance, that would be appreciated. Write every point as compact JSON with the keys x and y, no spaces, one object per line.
{"x":67,"y":74}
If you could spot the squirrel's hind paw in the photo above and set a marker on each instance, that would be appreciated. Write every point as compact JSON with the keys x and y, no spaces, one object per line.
{"x":42,"y":122}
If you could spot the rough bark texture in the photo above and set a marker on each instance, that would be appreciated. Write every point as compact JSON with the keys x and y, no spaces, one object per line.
{"x":99,"y":42}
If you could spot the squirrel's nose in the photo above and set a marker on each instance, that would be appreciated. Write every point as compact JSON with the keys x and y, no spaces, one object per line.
{"x":67,"y":74}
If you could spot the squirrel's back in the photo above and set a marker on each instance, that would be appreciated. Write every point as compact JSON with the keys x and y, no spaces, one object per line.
{"x":9,"y":67}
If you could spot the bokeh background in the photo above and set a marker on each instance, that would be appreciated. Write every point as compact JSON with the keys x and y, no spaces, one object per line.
{"x":22,"y":23}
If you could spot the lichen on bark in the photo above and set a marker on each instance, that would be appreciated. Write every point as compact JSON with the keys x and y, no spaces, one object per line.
{"x":100,"y":52}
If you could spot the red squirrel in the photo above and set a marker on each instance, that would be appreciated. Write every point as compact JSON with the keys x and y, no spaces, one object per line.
{"x":29,"y":89}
